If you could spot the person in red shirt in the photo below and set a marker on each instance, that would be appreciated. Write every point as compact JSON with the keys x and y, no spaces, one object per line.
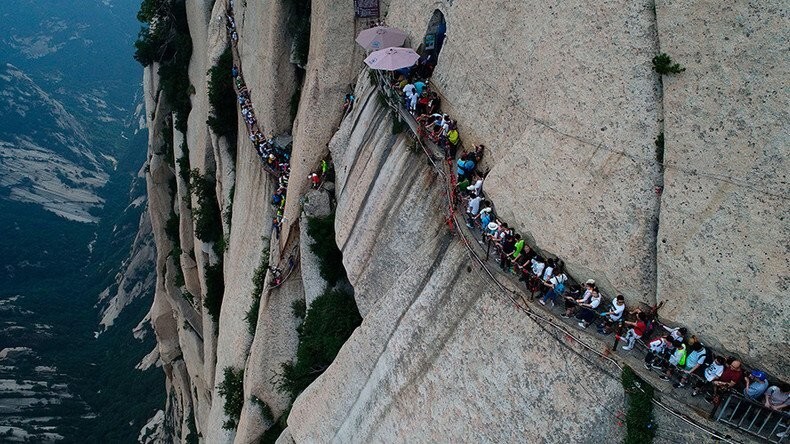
{"x":315,"y":180}
{"x":731,"y":376}
{"x":635,"y":332}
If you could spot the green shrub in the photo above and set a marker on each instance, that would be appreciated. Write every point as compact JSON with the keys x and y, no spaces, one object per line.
{"x":172,"y":228}
{"x":223,"y":119}
{"x":232,"y":389}
{"x":662,"y":63}
{"x":266,"y":411}
{"x":398,"y":125}
{"x":299,"y":308}
{"x":228,"y":213}
{"x":165,"y":38}
{"x":215,"y":289}
{"x":167,"y":144}
{"x":331,"y":319}
{"x":183,"y":169}
{"x":208,"y":221}
{"x":258,"y":281}
{"x":640,"y":426}
{"x":330,"y":258}
{"x":272,"y":433}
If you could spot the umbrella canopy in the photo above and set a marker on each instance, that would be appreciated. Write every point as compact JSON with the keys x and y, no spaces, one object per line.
{"x":390,"y":59}
{"x":381,"y":37}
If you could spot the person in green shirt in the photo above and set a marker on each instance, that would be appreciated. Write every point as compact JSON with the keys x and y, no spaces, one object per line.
{"x":517,"y":247}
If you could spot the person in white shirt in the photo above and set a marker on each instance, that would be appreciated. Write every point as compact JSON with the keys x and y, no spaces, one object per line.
{"x":587,"y":313}
{"x":571,"y":303}
{"x":537,"y":266}
{"x":613,"y":316}
{"x":477,"y":188}
{"x":472,"y":208}
{"x":712,"y":373}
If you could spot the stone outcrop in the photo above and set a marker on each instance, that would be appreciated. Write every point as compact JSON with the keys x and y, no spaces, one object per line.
{"x":566,"y":101}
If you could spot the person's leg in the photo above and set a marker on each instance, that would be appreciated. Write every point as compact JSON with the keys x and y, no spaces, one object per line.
{"x":549,"y":295}
{"x":630,"y":339}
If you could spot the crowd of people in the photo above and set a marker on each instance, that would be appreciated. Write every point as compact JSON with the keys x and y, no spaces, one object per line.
{"x":274,"y":159}
{"x":672,"y":352}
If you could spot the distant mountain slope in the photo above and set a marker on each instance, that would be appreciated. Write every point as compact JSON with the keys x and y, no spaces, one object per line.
{"x":46,"y":156}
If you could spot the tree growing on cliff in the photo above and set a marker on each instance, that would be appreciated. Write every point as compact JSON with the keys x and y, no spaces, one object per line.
{"x":165,"y":39}
{"x":232,"y":389}
{"x":223,"y":119}
{"x":329,"y":322}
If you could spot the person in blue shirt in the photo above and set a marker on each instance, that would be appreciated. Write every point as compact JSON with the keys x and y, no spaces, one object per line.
{"x":419,"y":85}
{"x":756,"y":385}
{"x":465,"y":167}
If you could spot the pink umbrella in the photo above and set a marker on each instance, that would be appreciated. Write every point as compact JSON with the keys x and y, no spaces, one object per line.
{"x":381,"y":37}
{"x":390,"y":59}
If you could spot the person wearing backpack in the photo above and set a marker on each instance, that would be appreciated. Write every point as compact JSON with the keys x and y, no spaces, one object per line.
{"x":557,"y":285}
{"x":678,"y":359}
{"x":697,"y":361}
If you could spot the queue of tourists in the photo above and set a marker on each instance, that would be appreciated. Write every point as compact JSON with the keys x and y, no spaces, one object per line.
{"x":673,"y":353}
{"x":275,"y":159}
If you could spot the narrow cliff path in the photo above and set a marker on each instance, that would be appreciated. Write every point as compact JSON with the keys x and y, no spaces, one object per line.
{"x":578,"y":342}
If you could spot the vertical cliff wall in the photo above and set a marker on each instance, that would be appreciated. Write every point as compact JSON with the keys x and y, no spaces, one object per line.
{"x":566,"y":100}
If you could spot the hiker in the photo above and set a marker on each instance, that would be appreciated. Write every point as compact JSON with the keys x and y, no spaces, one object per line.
{"x":472,"y":208}
{"x":419,"y":87}
{"x":453,"y":140}
{"x":655,"y":353}
{"x":730,"y":377}
{"x":587,"y":314}
{"x":538,"y":264}
{"x":315,"y":180}
{"x":613,"y":316}
{"x":348,"y":103}
{"x":696,"y":363}
{"x":712,"y":373}
{"x":477,"y":187}
{"x":677,"y":359}
{"x":777,"y":397}
{"x":636,"y":331}
{"x":571,"y":303}
{"x":508,"y":245}
{"x":755,"y":385}
{"x":556,"y":286}
{"x":484,"y":215}
{"x":465,"y":167}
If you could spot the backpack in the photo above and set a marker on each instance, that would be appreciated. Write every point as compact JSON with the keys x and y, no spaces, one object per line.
{"x":559,"y":287}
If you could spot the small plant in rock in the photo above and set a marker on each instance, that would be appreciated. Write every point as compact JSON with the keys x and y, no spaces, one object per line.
{"x":660,"y":148}
{"x":266,"y":411}
{"x":663,"y":65}
{"x":258,"y":281}
{"x":232,"y":389}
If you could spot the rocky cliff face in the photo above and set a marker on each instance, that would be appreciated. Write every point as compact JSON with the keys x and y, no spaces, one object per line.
{"x":565,"y":98}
